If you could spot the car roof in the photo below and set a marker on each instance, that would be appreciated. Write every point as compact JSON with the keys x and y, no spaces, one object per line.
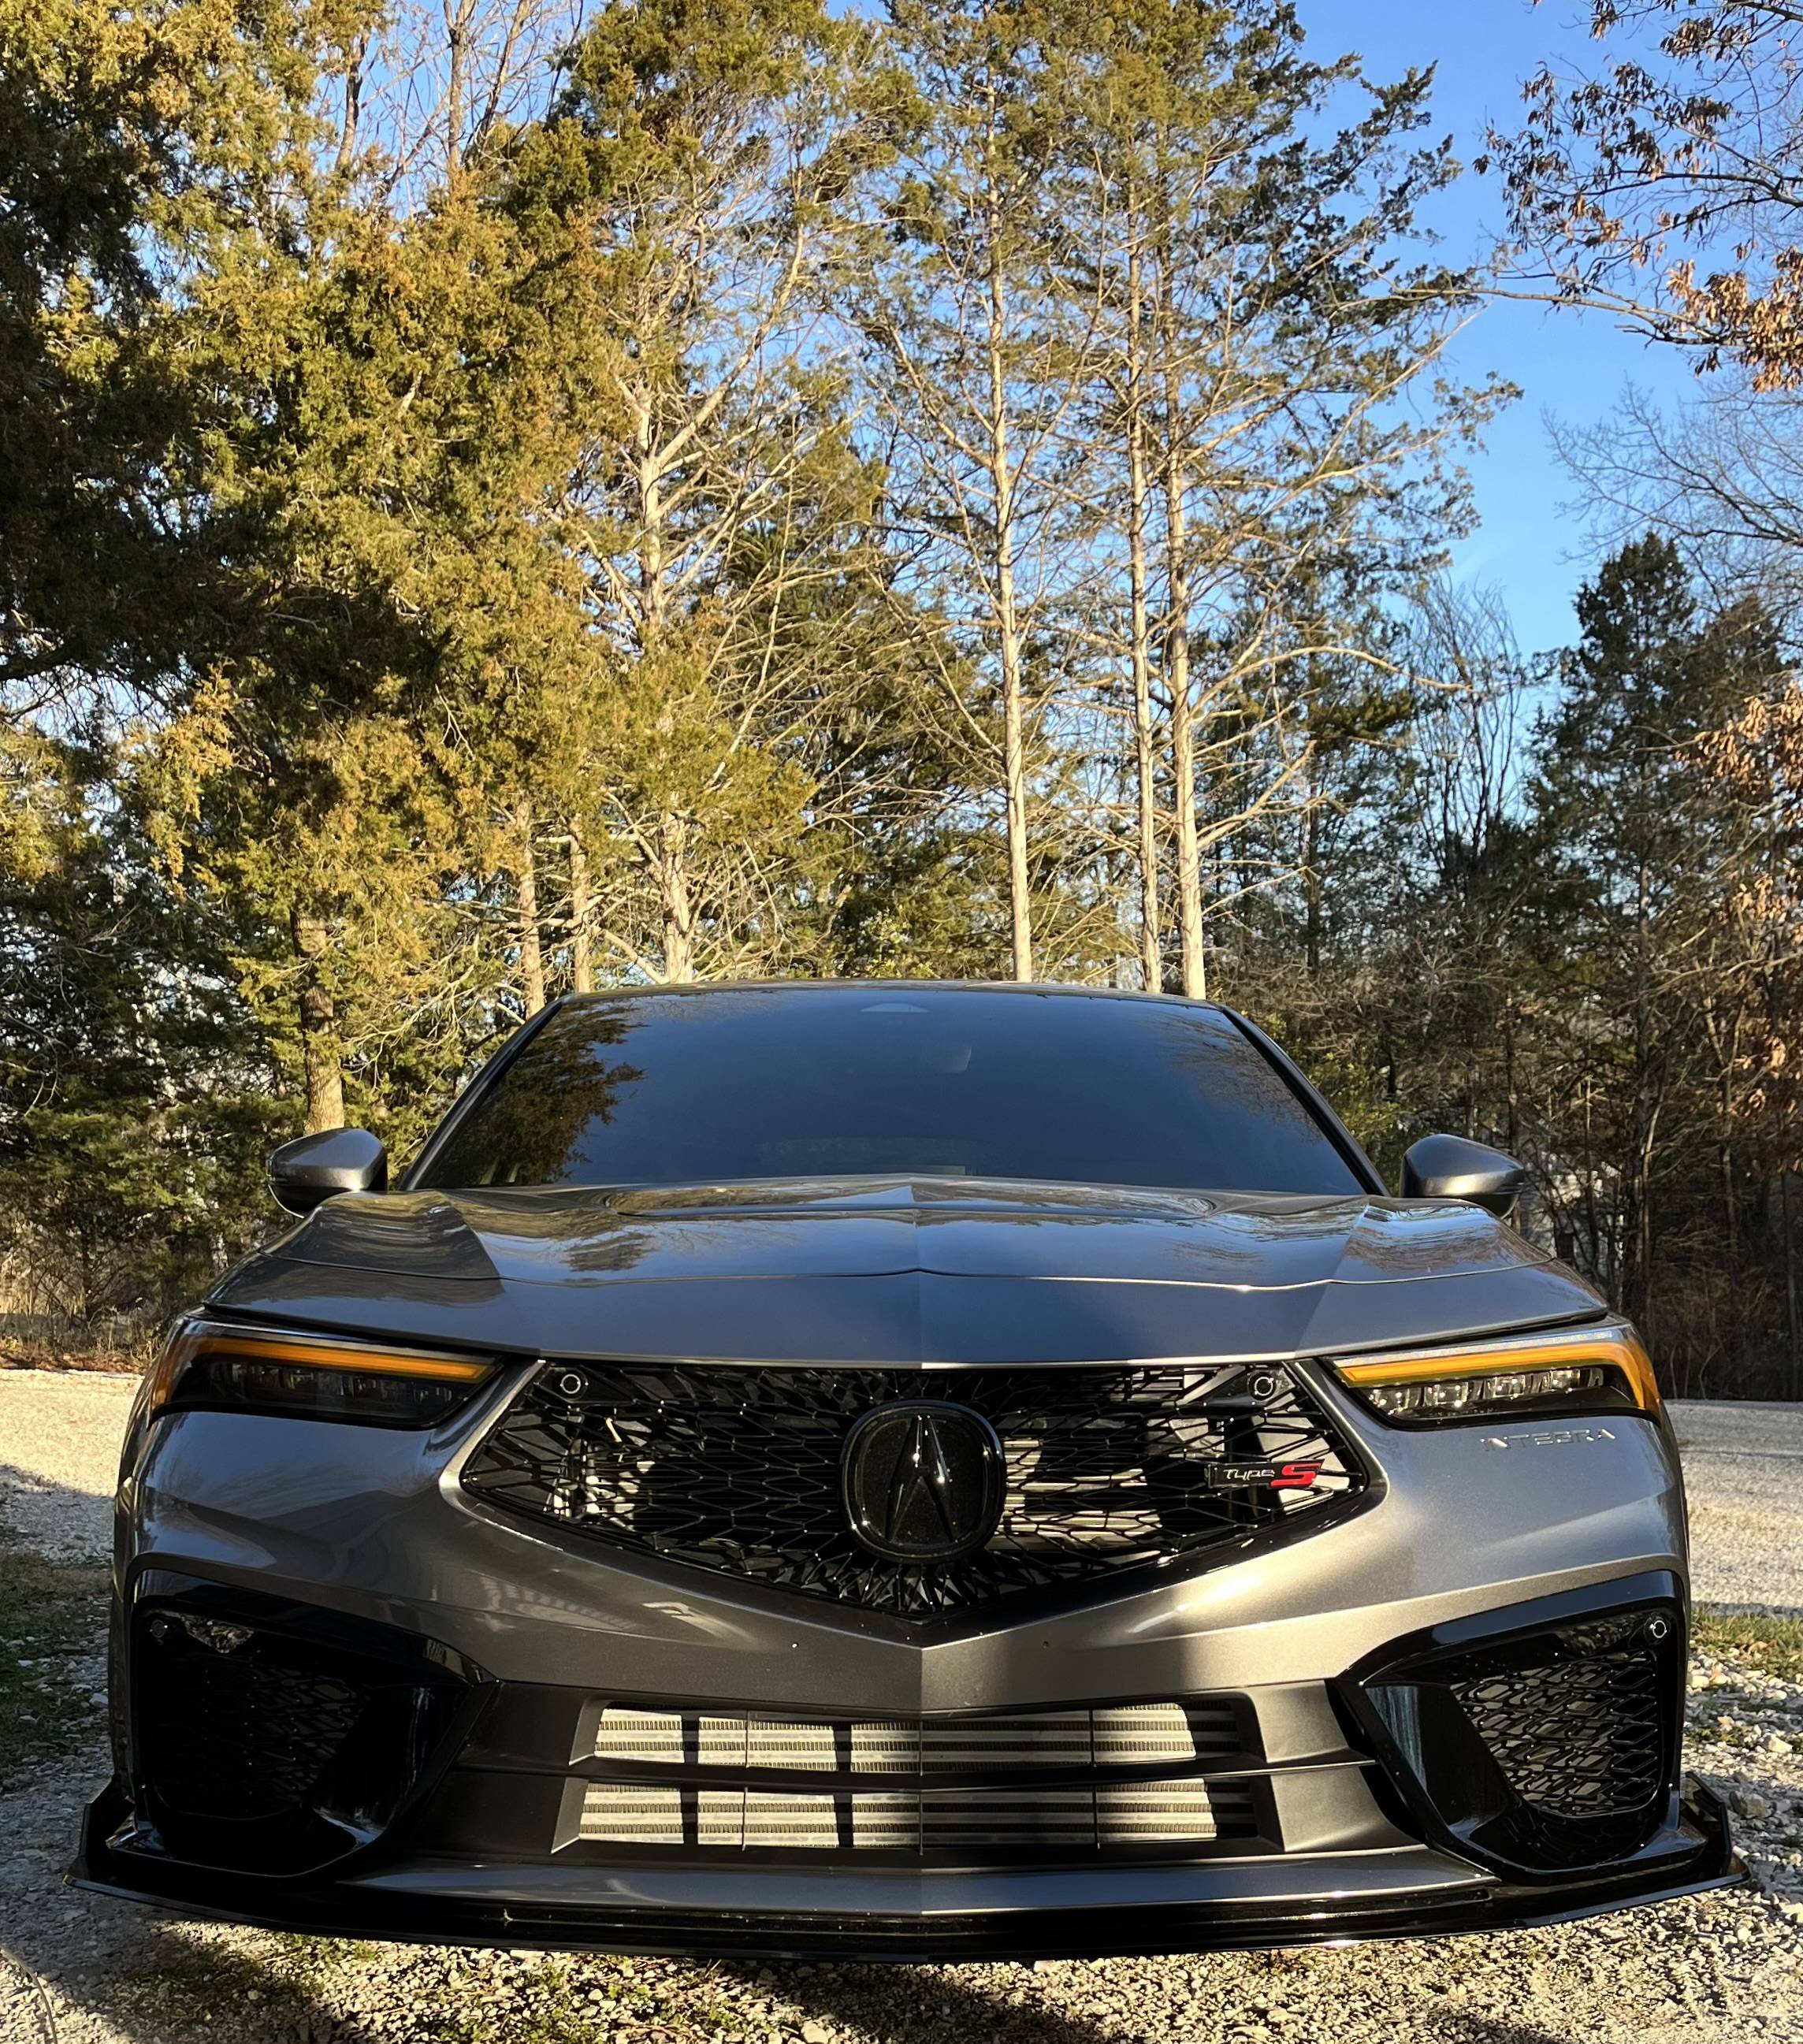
{"x":693,"y":988}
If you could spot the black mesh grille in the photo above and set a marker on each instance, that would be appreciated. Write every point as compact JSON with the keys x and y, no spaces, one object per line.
{"x":1549,"y":1749}
{"x":1108,"y":1470}
{"x":273,"y":1736}
{"x":1578,"y":1737}
{"x":230,"y":1734}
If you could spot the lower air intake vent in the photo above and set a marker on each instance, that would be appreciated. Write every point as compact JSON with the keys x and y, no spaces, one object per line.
{"x":1090,"y":1474}
{"x":1110,"y":1735}
{"x":980,"y":1822}
{"x":274,"y":1737}
{"x":1552,"y":1750}
{"x":1133,"y":1780}
{"x":1578,"y":1737}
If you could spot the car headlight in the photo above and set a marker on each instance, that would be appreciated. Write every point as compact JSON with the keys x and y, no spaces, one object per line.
{"x":1599,"y":1368}
{"x":209,"y":1365}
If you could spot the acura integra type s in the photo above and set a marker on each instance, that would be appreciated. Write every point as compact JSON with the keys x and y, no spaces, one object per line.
{"x":899,"y":1469}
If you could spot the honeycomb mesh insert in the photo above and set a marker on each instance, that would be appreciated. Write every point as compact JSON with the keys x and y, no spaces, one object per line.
{"x":1580,"y":1736}
{"x":237,"y":1736}
{"x":738,"y":1469}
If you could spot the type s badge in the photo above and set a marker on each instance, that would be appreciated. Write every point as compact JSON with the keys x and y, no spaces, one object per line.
{"x":1261,"y":1476}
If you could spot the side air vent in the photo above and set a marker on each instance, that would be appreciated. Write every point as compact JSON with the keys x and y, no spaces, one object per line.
{"x":274,"y":1737}
{"x":1578,"y":1737}
{"x":1552,"y":1749}
{"x":235,"y":1728}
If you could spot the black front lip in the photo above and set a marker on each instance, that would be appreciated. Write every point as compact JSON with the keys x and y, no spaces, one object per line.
{"x":340,"y":1910}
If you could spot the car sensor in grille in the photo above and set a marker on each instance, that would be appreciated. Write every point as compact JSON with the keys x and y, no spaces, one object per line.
{"x":978,"y":1485}
{"x":1134,"y":1779}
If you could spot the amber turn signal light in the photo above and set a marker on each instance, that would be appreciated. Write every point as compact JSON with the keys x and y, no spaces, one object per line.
{"x":1600,"y":1368}
{"x":213,"y":1366}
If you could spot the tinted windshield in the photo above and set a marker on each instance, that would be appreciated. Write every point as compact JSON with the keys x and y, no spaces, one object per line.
{"x":684,"y":1089}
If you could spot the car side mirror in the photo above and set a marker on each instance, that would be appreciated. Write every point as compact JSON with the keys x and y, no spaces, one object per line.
{"x":1448,"y":1167}
{"x":311,"y":1168}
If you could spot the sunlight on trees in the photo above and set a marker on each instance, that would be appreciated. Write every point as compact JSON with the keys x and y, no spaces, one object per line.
{"x":508,"y":497}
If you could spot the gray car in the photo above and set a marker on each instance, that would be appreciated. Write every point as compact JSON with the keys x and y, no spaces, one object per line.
{"x":899,"y":1469}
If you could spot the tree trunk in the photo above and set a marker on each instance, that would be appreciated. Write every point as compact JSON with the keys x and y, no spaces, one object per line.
{"x":1793,"y":1324}
{"x":1311,"y":884}
{"x":1008,"y":625}
{"x":320,"y":1063}
{"x":354,"y":61}
{"x":1730,"y":1256}
{"x":669,"y":856}
{"x":581,"y":920}
{"x":672,"y":879}
{"x":1637,"y":1281}
{"x":532,"y":950}
{"x":1151,"y":958}
{"x":459,"y":25}
{"x":1177,"y":645}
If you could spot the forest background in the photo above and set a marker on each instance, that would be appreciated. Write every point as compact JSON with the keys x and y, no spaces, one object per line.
{"x":499,"y":497}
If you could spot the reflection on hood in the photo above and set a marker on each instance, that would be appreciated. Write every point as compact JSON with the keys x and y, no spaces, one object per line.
{"x":905,"y":1270}
{"x":952,"y":1228}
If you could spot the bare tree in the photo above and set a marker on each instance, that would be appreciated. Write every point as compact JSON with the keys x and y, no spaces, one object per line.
{"x":423,"y":91}
{"x":974,"y":362}
{"x":1721,"y":476}
{"x":714,"y":484}
{"x":1261,"y":360}
{"x":1666,"y":188}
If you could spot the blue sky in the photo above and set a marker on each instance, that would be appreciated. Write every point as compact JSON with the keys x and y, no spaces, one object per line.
{"x":1571,"y":365}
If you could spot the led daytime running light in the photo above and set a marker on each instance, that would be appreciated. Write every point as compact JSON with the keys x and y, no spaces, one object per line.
{"x":332,"y":1355}
{"x":1565,"y":1362}
{"x":197,"y":1343}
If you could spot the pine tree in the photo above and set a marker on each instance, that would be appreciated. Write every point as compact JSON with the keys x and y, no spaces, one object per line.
{"x":1638,"y":833}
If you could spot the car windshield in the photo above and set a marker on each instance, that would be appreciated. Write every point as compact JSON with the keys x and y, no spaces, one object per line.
{"x":680,"y":1088}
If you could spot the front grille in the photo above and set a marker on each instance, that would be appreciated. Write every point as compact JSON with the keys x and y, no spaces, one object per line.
{"x":1130,"y":1779}
{"x":1104,"y":1471}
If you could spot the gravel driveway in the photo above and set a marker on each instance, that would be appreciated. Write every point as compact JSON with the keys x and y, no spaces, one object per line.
{"x":59,"y":1435}
{"x":1743,"y":1472}
{"x":1723,"y":1969}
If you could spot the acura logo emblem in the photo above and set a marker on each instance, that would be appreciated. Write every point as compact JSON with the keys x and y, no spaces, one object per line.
{"x":923,"y":1481}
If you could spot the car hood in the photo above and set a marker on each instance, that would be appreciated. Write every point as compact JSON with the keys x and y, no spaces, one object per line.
{"x":904,"y":1271}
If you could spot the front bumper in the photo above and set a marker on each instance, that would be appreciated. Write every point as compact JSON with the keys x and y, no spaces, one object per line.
{"x":1335,"y":1656}
{"x":1411,"y":1893}
{"x":452,"y":1808}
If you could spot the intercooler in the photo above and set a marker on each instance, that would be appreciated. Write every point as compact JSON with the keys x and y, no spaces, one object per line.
{"x":1116,"y":1778}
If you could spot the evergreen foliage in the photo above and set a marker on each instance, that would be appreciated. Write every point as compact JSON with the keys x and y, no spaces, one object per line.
{"x":490,"y":506}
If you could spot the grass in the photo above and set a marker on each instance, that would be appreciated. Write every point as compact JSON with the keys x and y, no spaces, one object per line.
{"x":52,"y":1621}
{"x":1774,"y":1646}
